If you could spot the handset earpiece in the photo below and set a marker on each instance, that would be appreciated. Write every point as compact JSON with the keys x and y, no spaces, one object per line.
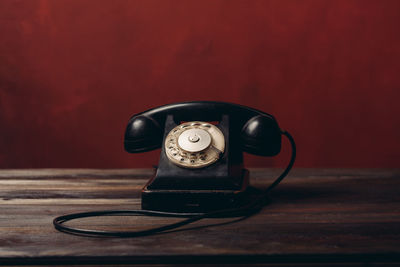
{"x":142,"y":134}
{"x":261,"y":136}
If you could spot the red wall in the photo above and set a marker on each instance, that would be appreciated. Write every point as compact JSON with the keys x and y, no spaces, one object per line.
{"x":72,"y":72}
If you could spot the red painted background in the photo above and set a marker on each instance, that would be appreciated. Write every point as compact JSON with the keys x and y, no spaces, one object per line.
{"x":72,"y":73}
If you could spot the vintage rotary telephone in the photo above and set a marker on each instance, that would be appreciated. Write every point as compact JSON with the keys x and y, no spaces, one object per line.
{"x":200,"y":172}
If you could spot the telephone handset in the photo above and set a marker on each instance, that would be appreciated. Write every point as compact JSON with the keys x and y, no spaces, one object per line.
{"x":257,"y":131}
{"x":200,"y":172}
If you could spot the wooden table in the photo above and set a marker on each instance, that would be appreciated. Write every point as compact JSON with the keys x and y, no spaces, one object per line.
{"x":320,"y":216}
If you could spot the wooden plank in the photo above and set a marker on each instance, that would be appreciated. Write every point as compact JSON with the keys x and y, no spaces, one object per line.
{"x":316,"y":215}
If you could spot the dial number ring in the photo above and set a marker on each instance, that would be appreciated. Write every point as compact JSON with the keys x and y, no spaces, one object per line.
{"x":194,"y":144}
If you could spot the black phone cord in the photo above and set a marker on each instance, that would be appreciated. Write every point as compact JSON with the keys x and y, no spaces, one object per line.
{"x":245,"y":211}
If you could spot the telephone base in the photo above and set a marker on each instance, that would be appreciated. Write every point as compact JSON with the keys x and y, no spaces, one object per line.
{"x":195,"y":201}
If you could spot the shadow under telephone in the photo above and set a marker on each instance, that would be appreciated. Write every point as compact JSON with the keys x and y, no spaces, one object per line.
{"x":200,"y":172}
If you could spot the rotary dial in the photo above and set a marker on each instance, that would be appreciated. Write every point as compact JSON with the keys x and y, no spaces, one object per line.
{"x":194,"y":144}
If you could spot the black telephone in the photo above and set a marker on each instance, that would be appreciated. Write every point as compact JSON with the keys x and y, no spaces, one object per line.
{"x":200,"y":172}
{"x":201,"y":164}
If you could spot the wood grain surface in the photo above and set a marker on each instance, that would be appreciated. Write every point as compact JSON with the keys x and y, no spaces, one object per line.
{"x":341,"y":216}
